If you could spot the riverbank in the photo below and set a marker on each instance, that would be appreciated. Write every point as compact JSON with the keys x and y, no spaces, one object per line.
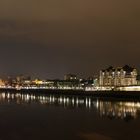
{"x":134,"y":95}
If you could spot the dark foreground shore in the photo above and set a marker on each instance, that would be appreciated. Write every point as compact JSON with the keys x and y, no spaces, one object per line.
{"x":131,"y":95}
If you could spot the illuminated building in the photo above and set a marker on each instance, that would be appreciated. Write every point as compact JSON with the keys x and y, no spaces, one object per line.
{"x":121,"y":76}
{"x":21,"y":79}
{"x":70,"y":77}
{"x":67,"y":83}
{"x":2,"y":83}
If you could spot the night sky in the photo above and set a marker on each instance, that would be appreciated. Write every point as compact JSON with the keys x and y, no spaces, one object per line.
{"x":49,"y":38}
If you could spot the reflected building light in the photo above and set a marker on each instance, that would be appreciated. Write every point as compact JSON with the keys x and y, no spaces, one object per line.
{"x":12,"y":96}
{"x":53,"y":99}
{"x":73,"y":101}
{"x":50,"y":99}
{"x":61,"y":100}
{"x":77,"y":102}
{"x":64,"y":100}
{"x":97,"y":104}
{"x":116,"y":109}
{"x":8,"y":96}
{"x":27,"y":97}
{"x":3,"y":95}
{"x":43,"y":98}
{"x":81,"y":101}
{"x":86,"y":102}
{"x":113,"y":113}
{"x":67,"y":100}
{"x":89,"y":103}
{"x":31,"y":97}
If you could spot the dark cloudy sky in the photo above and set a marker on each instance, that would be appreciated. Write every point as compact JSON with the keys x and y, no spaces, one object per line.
{"x":48,"y":38}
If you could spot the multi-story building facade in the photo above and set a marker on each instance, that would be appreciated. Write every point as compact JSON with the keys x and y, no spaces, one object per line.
{"x":121,"y":76}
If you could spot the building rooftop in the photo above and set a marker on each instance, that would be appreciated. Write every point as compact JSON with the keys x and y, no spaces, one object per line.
{"x":126,"y":68}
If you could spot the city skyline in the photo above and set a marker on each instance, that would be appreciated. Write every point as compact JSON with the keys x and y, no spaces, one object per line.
{"x":69,"y":69}
{"x":77,"y":75}
{"x":51,"y":38}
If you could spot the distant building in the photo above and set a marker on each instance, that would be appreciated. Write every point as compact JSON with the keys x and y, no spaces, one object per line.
{"x":22,"y":78}
{"x":70,"y":77}
{"x":67,"y":83}
{"x":121,"y":76}
{"x":2,"y":83}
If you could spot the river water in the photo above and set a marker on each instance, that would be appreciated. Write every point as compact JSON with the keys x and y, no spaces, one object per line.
{"x":59,"y":117}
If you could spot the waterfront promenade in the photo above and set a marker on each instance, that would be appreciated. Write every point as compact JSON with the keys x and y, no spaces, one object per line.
{"x":123,"y":95}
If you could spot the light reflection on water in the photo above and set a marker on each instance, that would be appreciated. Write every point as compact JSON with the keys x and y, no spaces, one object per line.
{"x":111,"y":109}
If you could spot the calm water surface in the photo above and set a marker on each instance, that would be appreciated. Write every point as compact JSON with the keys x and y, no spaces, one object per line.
{"x":51,"y":117}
